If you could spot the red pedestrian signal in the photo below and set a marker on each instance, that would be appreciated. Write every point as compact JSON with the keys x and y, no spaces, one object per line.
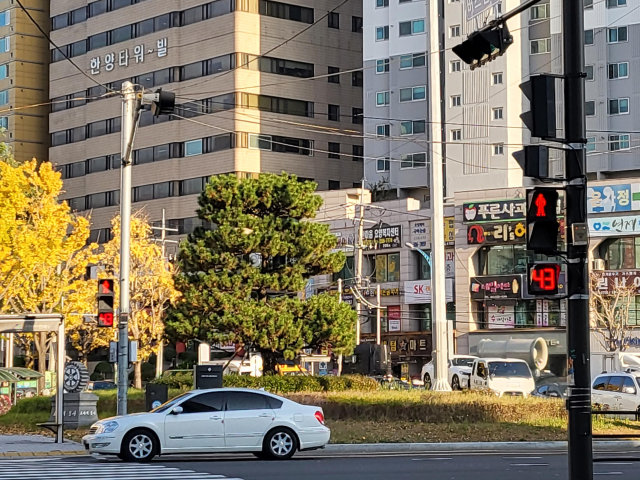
{"x":542,"y":223}
{"x":105,"y":319}
{"x":540,"y":203}
{"x":544,"y":278}
{"x":105,"y":287}
{"x":105,"y":302}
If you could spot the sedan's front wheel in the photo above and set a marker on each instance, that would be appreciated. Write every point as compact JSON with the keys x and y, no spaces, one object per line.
{"x":280,"y":444}
{"x":139,"y":446}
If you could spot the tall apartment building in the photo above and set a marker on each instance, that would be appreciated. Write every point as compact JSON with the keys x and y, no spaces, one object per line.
{"x":24,"y":67}
{"x":237,"y":111}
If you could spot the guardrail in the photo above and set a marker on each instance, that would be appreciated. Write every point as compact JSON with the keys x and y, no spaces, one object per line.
{"x":635,"y":413}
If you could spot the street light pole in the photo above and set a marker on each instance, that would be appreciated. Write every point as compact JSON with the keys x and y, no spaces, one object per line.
{"x":440,"y":337}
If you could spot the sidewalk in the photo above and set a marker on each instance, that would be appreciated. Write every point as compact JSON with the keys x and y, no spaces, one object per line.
{"x":36,"y":446}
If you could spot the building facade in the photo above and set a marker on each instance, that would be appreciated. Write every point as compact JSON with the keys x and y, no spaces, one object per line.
{"x":24,"y":87}
{"x":237,"y":111}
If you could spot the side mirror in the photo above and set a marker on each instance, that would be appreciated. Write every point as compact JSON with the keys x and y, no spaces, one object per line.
{"x":177,"y":410}
{"x":629,"y":390}
{"x":554,"y":394}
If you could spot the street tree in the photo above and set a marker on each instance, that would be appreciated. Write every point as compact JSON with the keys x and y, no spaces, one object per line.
{"x":610,"y":313}
{"x":239,"y":280}
{"x":151,"y":287}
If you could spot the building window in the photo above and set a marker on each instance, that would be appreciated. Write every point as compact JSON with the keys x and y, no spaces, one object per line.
{"x":382,"y":66}
{"x":456,"y":135}
{"x":456,"y":100}
{"x":260,"y":142}
{"x":356,"y":24}
{"x":539,"y":12}
{"x":192,"y":186}
{"x":588,"y":4}
{"x":455,"y":66}
{"x":498,"y":149}
{"x":5,"y":18}
{"x":542,"y":45}
{"x":591,"y":144}
{"x":387,"y":268}
{"x":414,"y":127}
{"x":383,"y":130}
{"x":589,"y":72}
{"x":503,"y":260}
{"x":454,"y":31}
{"x":286,"y":11}
{"x":413,"y":94}
{"x":623,"y":253}
{"x":4,"y":71}
{"x":618,"y":142}
{"x":413,"y":61}
{"x":618,"y":106}
{"x":383,"y":164}
{"x":413,"y":160}
{"x":358,"y":153}
{"x":383,"y":98}
{"x":616,"y":3}
{"x":382,"y":33}
{"x":334,"y":184}
{"x":588,"y":37}
{"x":5,"y":44}
{"x":617,"y":34}
{"x":618,"y":70}
{"x":334,"y":113}
{"x":413,"y":27}
{"x":193,"y":147}
{"x":333,"y":78}
{"x":4,"y":97}
{"x":496,"y":78}
{"x":590,"y":108}
{"x":357,"y":117}
{"x":382,"y":3}
{"x":357,"y":79}
{"x":4,"y":122}
{"x":334,"y":150}
{"x":497,"y":113}
{"x":333,"y":20}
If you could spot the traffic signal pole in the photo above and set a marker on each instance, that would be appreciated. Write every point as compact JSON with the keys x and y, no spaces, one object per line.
{"x":578,"y":331}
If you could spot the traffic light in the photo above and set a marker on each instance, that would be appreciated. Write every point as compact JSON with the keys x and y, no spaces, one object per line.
{"x":543,"y":278}
{"x":163,"y":102}
{"x":541,"y":119}
{"x":534,"y":160}
{"x":484,"y":45}
{"x":542,"y":220}
{"x":105,"y":302}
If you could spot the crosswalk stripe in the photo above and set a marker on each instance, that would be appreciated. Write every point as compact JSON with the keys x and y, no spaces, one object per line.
{"x":62,"y":469}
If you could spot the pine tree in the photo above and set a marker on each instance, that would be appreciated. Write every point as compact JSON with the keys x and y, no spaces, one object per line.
{"x":239,"y":279}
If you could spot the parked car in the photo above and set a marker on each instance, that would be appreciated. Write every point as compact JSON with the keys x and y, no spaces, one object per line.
{"x":223,"y":420}
{"x":616,"y":391}
{"x":389,"y":382}
{"x":502,"y":376}
{"x":459,"y":367}
{"x":101,"y":385}
{"x":552,"y":390}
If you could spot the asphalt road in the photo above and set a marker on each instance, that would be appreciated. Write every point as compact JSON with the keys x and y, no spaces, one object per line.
{"x":521,"y":466}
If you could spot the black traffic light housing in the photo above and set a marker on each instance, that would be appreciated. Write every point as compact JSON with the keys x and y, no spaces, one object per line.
{"x":163,"y":103}
{"x":484,"y":45}
{"x":542,"y":220}
{"x":534,"y":160}
{"x":105,"y":302}
{"x":541,"y":119}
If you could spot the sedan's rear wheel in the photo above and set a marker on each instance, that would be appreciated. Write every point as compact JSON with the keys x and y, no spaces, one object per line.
{"x":455,"y":383}
{"x":427,"y":381}
{"x":139,"y":446}
{"x":280,"y":444}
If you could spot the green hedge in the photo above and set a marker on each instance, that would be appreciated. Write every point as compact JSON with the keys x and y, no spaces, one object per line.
{"x":282,"y":384}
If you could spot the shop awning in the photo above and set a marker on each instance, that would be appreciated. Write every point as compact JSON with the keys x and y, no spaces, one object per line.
{"x":6,"y":376}
{"x":17,"y":374}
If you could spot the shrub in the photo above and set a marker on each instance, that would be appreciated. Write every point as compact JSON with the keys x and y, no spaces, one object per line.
{"x":180,"y":380}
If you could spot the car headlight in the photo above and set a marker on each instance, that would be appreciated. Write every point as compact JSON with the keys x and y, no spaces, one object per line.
{"x":107,"y":427}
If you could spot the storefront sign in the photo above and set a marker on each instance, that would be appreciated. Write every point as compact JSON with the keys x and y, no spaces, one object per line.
{"x":605,"y":226}
{"x":500,"y":233}
{"x":502,"y":316}
{"x":450,"y":264}
{"x":382,"y":237}
{"x":394,"y":314}
{"x":492,"y":211}
{"x":476,"y":7}
{"x":345,"y":242}
{"x":613,"y":198}
{"x":610,"y":280}
{"x":405,"y":344}
{"x":122,"y":59}
{"x":449,"y":231}
{"x":419,"y":291}
{"x":495,"y":287}
{"x":420,"y":237}
{"x":384,"y":292}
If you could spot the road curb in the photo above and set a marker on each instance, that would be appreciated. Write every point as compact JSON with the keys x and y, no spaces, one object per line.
{"x":599,"y":446}
{"x":52,"y":453}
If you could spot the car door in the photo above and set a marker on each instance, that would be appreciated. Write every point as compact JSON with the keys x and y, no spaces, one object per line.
{"x":248,"y":417}
{"x":629,"y":395}
{"x":613,"y":393}
{"x":598,"y":389}
{"x":200,"y":425}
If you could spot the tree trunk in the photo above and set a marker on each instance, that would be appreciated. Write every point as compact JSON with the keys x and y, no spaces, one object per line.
{"x":137,"y":376}
{"x":41,"y":348}
{"x":269,"y":361}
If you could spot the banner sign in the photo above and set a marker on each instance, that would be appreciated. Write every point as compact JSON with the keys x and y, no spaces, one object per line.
{"x":613,"y":198}
{"x":491,"y":211}
{"x":382,"y":237}
{"x":610,"y":280}
{"x":502,"y":316}
{"x":495,"y":287}
{"x":605,"y":226}
{"x":394,"y":314}
{"x":492,"y":233}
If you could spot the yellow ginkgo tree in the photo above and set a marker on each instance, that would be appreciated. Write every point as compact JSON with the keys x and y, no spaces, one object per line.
{"x":151,"y":286}
{"x":43,"y":252}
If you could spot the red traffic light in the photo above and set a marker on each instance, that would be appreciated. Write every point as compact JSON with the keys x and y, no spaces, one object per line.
{"x":105,"y":319}
{"x":543,"y":278}
{"x":105,"y":286}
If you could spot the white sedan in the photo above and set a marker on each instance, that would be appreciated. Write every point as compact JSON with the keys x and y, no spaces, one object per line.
{"x":223,"y":420}
{"x":459,"y":372}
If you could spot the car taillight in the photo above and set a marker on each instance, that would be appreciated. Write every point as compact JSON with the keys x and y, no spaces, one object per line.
{"x":320,"y":417}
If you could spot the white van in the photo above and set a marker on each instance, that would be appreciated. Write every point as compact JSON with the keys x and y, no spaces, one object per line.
{"x":502,"y":376}
{"x":617,"y":391}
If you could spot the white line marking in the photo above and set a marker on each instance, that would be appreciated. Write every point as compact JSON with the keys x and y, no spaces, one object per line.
{"x":522,"y":458}
{"x":607,"y":473}
{"x":529,"y":464}
{"x":428,"y":459}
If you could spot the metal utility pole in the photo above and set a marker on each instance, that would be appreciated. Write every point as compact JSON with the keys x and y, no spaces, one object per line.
{"x":129,"y":114}
{"x":438,"y":297}
{"x":10,"y":343}
{"x":378,"y":315}
{"x":578,"y":331}
{"x":359,"y":246}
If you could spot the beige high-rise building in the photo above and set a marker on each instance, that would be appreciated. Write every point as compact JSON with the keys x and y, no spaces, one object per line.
{"x":24,"y":60}
{"x":247,"y":93}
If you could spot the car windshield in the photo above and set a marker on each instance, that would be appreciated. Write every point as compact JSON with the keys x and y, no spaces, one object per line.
{"x":509,"y":369}
{"x":167,"y":405}
{"x":462,"y":362}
